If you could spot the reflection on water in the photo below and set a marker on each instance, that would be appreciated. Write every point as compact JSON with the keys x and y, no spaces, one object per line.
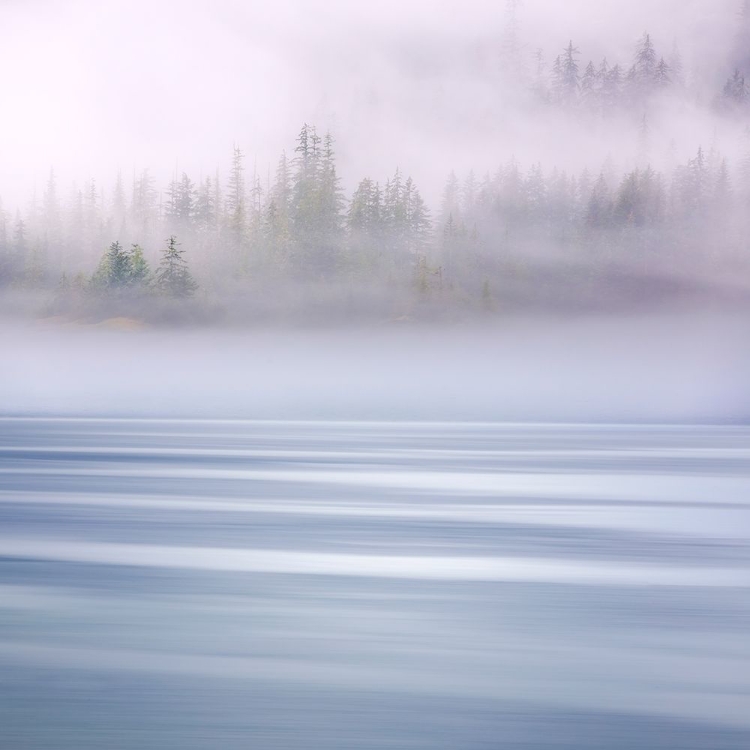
{"x":180,"y":584}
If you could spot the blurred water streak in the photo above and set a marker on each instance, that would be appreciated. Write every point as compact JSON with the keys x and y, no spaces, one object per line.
{"x":192,"y":584}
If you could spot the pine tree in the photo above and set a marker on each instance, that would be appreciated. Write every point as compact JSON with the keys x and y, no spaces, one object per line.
{"x":612,"y":89}
{"x":305,"y":197}
{"x":144,"y":207}
{"x":722,"y":191}
{"x":642,"y":76}
{"x":19,"y":236}
{"x":119,"y":207}
{"x":173,"y":277}
{"x":51,"y":209}
{"x":114,"y":270}
{"x":277,"y":216}
{"x":185,"y":201}
{"x":590,"y":84}
{"x":570,"y":82}
{"x":418,"y":221}
{"x":139,"y":272}
{"x":450,"y":205}
{"x":316,"y":203}
{"x":205,"y":207}
{"x":740,"y":56}
{"x":662,"y":75}
{"x":236,"y":201}
{"x":331,"y":204}
{"x":735,"y":93}
{"x":536,"y":193}
{"x":364,"y":225}
{"x":691,"y":185}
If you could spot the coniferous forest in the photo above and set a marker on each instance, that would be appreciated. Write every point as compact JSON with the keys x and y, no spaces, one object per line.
{"x":641,"y":228}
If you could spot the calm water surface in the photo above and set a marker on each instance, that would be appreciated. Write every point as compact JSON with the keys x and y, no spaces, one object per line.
{"x":178,"y":584}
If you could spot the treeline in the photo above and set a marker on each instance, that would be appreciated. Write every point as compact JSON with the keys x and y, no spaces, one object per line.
{"x":504,"y":229}
{"x":300,"y":224}
{"x":123,"y":270}
{"x":607,"y":87}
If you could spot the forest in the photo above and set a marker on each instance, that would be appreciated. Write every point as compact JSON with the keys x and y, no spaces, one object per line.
{"x":637,"y":230}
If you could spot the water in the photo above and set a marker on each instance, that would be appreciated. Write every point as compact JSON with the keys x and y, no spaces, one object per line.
{"x":197,"y":584}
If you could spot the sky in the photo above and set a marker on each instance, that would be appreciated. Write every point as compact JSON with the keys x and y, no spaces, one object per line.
{"x":93,"y":87}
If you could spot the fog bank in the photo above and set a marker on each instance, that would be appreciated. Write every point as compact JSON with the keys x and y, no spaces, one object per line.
{"x":672,"y":368}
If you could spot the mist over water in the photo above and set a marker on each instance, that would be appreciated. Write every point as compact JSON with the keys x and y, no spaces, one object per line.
{"x":674,"y":368}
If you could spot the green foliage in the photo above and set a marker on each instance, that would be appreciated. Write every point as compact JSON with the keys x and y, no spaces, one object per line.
{"x":139,"y":270}
{"x":173,"y":278}
{"x":121,"y":269}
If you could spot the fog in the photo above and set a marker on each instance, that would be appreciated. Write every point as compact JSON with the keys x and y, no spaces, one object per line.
{"x":94,"y":88}
{"x":670,"y":369}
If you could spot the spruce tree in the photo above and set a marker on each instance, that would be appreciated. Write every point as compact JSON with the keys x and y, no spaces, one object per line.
{"x":642,"y":77}
{"x":114,"y":270}
{"x":173,"y":277}
{"x":570,"y":80}
{"x":139,"y":272}
{"x":735,"y":93}
{"x":236,"y":201}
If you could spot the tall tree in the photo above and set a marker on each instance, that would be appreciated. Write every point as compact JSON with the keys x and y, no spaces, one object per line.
{"x":173,"y":278}
{"x":642,"y":76}
{"x":236,"y":200}
{"x":735,"y":94}
{"x":566,"y":77}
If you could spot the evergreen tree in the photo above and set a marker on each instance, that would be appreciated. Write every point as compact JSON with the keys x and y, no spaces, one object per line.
{"x":173,"y":277}
{"x":570,"y":79}
{"x":599,"y":210}
{"x":114,"y":269}
{"x":330,"y":206}
{"x":740,"y":56}
{"x":205,"y":213}
{"x":643,"y":74}
{"x":51,"y":209}
{"x":236,"y":201}
{"x":612,"y":88}
{"x":662,"y":75}
{"x":305,"y":197}
{"x":450,"y":205}
{"x":19,"y":236}
{"x":590,"y":87}
{"x":364,"y":224}
{"x":144,"y":205}
{"x":536,"y":194}
{"x":277,"y":215}
{"x":735,"y":93}
{"x":419,"y":226}
{"x":139,"y":271}
{"x":119,"y":207}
